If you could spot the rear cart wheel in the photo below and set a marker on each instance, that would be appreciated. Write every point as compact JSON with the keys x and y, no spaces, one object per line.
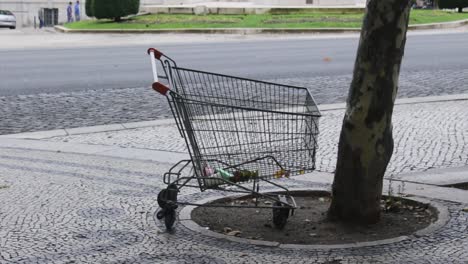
{"x":169,"y":219}
{"x":166,"y":195}
{"x":280,"y":215}
{"x":160,"y":215}
{"x":167,"y":200}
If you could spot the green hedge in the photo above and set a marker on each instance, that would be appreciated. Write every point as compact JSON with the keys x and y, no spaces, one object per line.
{"x":89,"y":8}
{"x":114,"y":9}
{"x":460,"y":4}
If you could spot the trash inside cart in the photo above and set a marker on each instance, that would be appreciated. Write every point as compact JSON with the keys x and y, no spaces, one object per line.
{"x":241,"y":135}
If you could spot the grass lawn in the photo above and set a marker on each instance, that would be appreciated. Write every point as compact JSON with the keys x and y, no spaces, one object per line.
{"x":316,"y":19}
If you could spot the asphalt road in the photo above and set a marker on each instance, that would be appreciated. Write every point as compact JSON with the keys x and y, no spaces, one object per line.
{"x":77,"y":69}
{"x":51,"y":88}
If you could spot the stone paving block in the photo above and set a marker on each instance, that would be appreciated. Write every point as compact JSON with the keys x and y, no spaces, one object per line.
{"x":63,"y":207}
{"x":427,"y":135}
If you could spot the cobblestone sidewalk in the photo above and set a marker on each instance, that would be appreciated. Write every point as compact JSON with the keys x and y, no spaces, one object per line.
{"x":75,"y":208}
{"x":427,"y":135}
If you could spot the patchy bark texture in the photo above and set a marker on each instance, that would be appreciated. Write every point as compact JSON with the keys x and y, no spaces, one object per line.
{"x":366,"y":141}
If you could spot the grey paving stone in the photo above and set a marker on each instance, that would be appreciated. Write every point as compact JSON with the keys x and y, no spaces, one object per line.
{"x":427,"y":135}
{"x":70,"y":208}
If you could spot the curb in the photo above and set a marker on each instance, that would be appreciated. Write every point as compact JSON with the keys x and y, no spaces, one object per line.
{"x":249,"y":31}
{"x":241,"y":31}
{"x":87,"y":130}
{"x":142,"y":124}
{"x":443,"y":25}
{"x":160,"y":156}
{"x":186,"y":220}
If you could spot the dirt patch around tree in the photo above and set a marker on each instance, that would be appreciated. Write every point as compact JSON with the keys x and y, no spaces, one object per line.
{"x":309,"y":224}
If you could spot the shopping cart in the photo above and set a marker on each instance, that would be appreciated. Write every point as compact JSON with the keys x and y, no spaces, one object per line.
{"x":240,"y":134}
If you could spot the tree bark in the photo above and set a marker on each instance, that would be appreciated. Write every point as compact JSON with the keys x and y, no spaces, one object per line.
{"x":460,"y":10}
{"x":366,"y":141}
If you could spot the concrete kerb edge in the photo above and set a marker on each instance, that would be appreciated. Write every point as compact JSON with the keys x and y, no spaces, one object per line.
{"x":185,"y":220}
{"x":170,"y":121}
{"x":241,"y":31}
{"x":443,"y":25}
{"x":442,"y":217}
{"x":88,"y":130}
{"x":247,"y":31}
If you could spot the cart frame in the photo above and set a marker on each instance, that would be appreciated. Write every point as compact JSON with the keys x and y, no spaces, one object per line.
{"x":180,"y":102}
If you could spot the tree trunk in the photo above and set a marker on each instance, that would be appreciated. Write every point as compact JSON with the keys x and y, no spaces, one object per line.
{"x":366,"y":141}
{"x":460,"y":10}
{"x":117,"y":19}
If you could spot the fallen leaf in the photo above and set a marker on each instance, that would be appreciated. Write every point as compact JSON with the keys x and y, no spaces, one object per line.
{"x":234,"y":233}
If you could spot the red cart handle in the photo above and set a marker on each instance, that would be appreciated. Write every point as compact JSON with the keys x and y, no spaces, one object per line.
{"x":160,"y":88}
{"x":157,"y":53}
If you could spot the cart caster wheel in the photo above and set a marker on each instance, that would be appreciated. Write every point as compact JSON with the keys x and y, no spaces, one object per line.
{"x":172,"y":192}
{"x":160,"y":215}
{"x":280,"y":215}
{"x":162,"y":198}
{"x":169,"y":219}
{"x":166,"y":195}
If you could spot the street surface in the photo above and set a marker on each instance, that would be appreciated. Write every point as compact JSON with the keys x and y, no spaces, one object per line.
{"x":47,"y":88}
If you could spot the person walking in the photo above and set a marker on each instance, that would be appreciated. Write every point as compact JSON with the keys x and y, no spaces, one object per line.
{"x":41,"y":18}
{"x":77,"y":11}
{"x":70,"y":12}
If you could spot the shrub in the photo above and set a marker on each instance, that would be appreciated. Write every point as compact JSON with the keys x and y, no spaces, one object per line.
{"x":115,"y":9}
{"x":89,"y":8}
{"x":460,"y":4}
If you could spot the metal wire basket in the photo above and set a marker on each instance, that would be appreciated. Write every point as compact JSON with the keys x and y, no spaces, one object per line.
{"x":250,"y":130}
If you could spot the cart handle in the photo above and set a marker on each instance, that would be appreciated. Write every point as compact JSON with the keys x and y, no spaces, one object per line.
{"x":157,"y":86}
{"x":160,"y":88}
{"x":154,"y":54}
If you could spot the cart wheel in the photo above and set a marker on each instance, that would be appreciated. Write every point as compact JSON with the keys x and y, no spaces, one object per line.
{"x":280,"y":215}
{"x":160,"y":214}
{"x":168,"y":194}
{"x":172,"y":192}
{"x":169,"y":218}
{"x":162,"y":200}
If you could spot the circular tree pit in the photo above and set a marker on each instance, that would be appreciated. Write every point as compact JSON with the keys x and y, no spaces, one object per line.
{"x":309,"y":224}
